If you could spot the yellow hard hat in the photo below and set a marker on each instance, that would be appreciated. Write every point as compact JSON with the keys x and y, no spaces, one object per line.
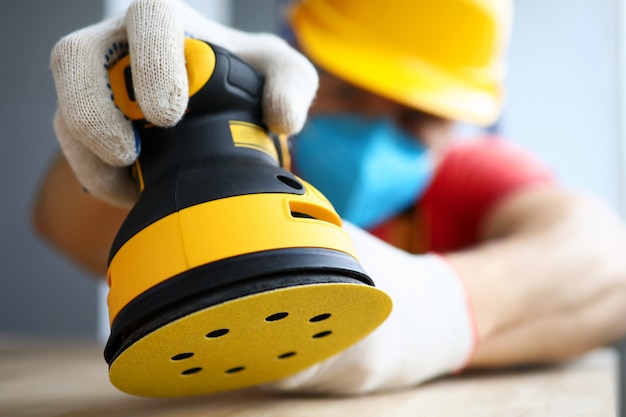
{"x":445,"y":57}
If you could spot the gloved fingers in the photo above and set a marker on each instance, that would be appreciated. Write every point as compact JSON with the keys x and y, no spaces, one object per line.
{"x":290,"y":79}
{"x":156,"y":40}
{"x":154,"y":32}
{"x":106,"y":182}
{"x":79,"y":65}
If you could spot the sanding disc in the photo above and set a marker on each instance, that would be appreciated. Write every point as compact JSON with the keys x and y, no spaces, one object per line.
{"x":249,"y":340}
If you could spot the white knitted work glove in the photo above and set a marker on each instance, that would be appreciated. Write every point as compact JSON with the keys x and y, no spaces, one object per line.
{"x":429,"y":333}
{"x":94,"y":135}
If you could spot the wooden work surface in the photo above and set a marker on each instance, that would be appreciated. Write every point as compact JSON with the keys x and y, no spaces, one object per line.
{"x":70,"y":379}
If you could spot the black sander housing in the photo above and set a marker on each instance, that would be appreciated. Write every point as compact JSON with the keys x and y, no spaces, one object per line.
{"x":229,"y":271}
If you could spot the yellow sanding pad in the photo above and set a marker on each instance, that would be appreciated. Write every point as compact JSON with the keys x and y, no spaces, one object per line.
{"x":249,"y":340}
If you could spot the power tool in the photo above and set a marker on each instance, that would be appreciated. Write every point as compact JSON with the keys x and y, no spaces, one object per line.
{"x":229,"y":271}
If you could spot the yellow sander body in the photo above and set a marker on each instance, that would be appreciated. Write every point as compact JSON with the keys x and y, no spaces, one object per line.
{"x":229,"y":271}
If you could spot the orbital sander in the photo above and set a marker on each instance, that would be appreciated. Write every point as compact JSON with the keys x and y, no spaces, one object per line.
{"x":229,"y":271}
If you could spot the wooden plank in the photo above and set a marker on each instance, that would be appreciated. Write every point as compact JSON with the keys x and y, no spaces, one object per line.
{"x":70,"y":379}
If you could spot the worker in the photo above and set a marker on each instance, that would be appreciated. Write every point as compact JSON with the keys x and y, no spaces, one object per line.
{"x":488,"y":260}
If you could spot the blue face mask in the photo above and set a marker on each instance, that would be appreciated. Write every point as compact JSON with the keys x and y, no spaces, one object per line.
{"x":368,"y":168}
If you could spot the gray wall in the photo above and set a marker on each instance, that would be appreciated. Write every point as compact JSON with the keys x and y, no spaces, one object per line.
{"x":255,"y":15}
{"x":40,"y":292}
{"x":563,"y":90}
{"x":563,"y":87}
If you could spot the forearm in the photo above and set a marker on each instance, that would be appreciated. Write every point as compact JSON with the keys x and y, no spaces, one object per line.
{"x":552,"y":286}
{"x":74,"y":222}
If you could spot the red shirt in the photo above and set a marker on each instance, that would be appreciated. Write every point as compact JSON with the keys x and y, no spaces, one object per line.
{"x":471,"y":179}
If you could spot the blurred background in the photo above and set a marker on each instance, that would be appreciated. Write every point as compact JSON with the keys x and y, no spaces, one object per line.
{"x":565,"y":84}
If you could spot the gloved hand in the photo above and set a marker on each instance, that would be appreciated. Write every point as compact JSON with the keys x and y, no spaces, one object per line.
{"x":99,"y":142}
{"x":429,"y":333}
